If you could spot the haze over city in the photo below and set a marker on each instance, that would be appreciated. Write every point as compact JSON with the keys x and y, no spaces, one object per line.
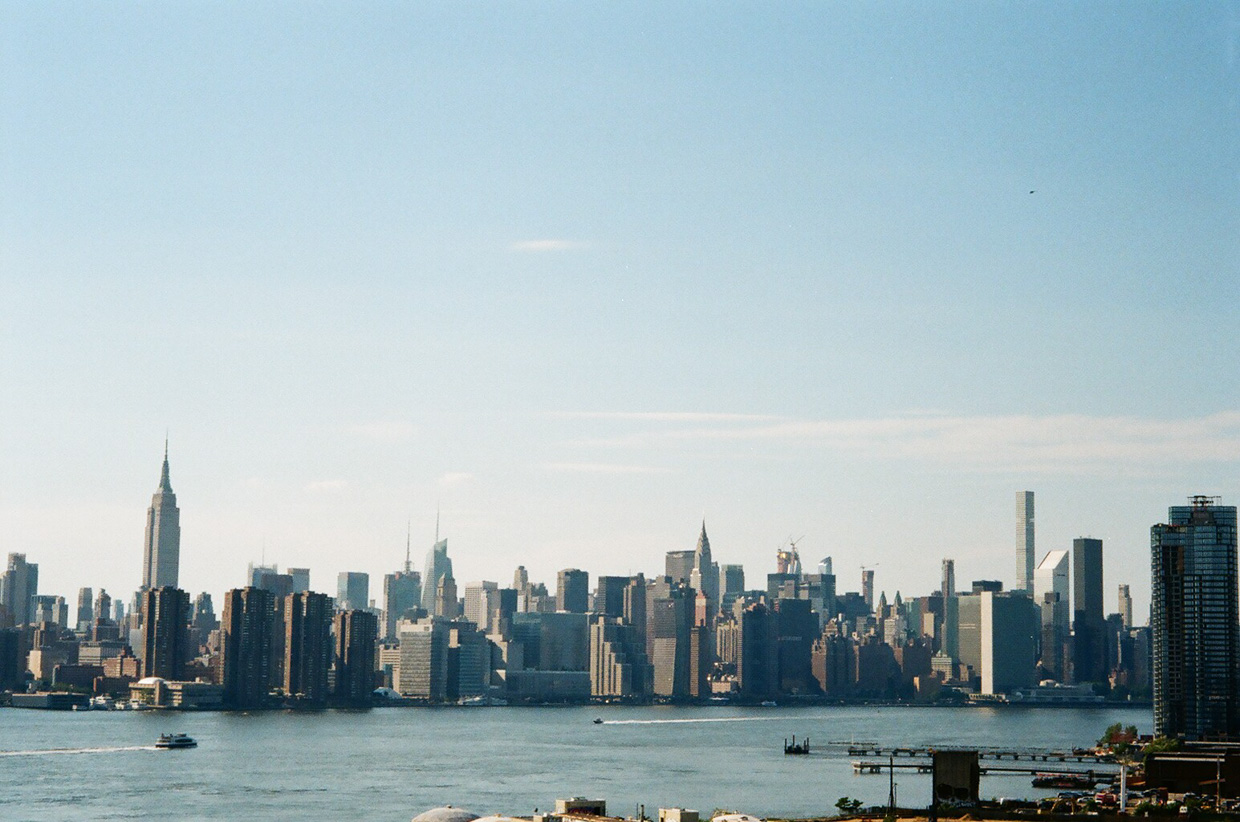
{"x":578,"y":276}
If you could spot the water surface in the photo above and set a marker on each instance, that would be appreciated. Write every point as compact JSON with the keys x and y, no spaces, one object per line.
{"x":390,"y":764}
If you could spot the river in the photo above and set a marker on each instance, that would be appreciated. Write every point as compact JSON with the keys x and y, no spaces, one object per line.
{"x":391,"y":764}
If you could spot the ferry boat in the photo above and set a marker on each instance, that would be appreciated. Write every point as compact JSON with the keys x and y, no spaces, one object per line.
{"x":173,"y":742}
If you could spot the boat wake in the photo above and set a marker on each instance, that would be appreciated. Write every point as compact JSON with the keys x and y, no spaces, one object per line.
{"x":63,"y":751}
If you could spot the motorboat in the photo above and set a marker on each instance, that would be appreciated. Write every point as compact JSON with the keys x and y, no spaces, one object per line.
{"x":172,"y":742}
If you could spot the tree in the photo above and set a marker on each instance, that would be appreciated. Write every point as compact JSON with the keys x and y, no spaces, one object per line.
{"x":848,"y":806}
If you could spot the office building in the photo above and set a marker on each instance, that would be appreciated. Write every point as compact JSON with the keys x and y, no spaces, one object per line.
{"x":422,"y":672}
{"x":732,"y":585}
{"x":352,"y":591}
{"x":757,"y":652}
{"x":947,"y":587}
{"x":1051,"y":597}
{"x":867,"y":587}
{"x":1125,"y":606}
{"x":1024,"y":541}
{"x":797,"y":627}
{"x":469,"y":662}
{"x":402,"y":593}
{"x":679,"y":565}
{"x":19,"y":585}
{"x":618,"y":666}
{"x":301,"y":579}
{"x":165,"y":619}
{"x":609,"y":596}
{"x":307,"y":645}
{"x":447,"y":605}
{"x":203,"y":615}
{"x":357,"y":636}
{"x":1088,"y":619}
{"x":1194,"y":620}
{"x":247,"y":644}
{"x":438,"y":566}
{"x":50,"y":608}
{"x":997,"y":639}
{"x":85,"y":609}
{"x":572,"y":591}
{"x":161,"y":555}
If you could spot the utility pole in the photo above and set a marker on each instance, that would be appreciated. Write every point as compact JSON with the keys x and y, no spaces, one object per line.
{"x":891,"y":783}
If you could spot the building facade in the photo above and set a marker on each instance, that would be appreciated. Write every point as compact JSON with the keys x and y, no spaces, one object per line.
{"x":1194,"y":621}
{"x":1024,"y":541}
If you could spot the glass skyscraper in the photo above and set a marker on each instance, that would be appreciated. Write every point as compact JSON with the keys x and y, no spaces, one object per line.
{"x":1194,"y":621}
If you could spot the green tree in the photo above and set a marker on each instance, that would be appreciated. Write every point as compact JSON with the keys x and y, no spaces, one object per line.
{"x":847,"y":805}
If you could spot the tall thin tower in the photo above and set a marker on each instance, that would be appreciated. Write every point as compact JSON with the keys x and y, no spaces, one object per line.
{"x":161,"y":557}
{"x":1024,"y":541}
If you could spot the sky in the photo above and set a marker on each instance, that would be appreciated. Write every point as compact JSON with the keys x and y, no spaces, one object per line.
{"x":578,"y":275}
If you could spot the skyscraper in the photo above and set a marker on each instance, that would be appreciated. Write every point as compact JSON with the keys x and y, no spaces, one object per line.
{"x":572,"y":591}
{"x":356,"y":636}
{"x":1088,"y":619}
{"x":352,"y":590}
{"x":1194,"y":619}
{"x":307,"y":645}
{"x":165,"y":622}
{"x":867,"y":587}
{"x":705,"y":574}
{"x":1125,"y":606}
{"x":161,"y":557}
{"x":1024,"y":541}
{"x":948,"y":585}
{"x":85,"y":609}
{"x":19,"y":585}
{"x":1050,"y":595}
{"x":402,"y":592}
{"x":246,"y":646}
{"x":438,"y":566}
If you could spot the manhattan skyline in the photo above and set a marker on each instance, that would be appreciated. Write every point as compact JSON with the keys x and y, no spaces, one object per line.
{"x":578,"y":276}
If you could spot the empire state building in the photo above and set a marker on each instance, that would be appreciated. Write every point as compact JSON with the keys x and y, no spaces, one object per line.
{"x":161,"y":557}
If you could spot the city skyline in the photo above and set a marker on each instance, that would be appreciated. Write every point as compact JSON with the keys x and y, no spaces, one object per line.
{"x":165,"y":496}
{"x":579,"y":276}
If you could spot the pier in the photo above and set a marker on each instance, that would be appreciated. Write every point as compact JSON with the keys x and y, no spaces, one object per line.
{"x":1012,"y":755}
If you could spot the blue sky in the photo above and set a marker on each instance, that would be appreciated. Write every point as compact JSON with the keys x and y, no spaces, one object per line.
{"x":582,"y":273}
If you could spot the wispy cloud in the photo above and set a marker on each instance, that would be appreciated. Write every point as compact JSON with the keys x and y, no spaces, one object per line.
{"x":538,"y":246}
{"x":454,"y":478}
{"x":602,"y":468}
{"x":664,"y":416}
{"x":1064,"y":443}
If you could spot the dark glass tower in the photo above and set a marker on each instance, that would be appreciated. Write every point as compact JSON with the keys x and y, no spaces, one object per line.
{"x":1194,"y":621}
{"x":1088,"y":620}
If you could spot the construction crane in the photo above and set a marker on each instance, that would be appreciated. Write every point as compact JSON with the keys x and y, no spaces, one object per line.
{"x":787,"y":560}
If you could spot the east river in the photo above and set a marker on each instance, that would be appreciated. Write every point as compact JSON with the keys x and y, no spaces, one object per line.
{"x":390,"y":764}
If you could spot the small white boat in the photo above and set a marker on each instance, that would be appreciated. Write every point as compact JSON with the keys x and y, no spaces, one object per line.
{"x":171,"y":742}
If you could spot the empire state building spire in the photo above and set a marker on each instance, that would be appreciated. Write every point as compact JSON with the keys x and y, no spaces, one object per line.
{"x":161,"y":556}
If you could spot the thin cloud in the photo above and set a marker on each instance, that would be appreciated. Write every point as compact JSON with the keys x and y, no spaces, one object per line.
{"x":602,"y":468}
{"x":1064,"y":443}
{"x":541,"y":246}
{"x":664,"y":416}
